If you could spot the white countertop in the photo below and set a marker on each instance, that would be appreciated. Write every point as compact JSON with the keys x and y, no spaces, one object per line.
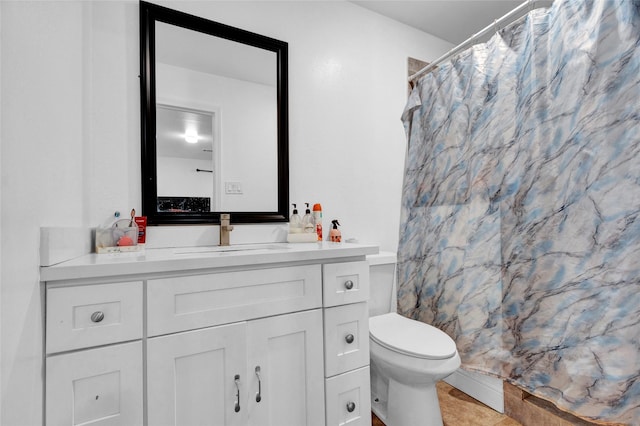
{"x":150,"y":261}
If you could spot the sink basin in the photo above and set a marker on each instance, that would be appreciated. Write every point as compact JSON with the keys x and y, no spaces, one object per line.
{"x":226,"y":249}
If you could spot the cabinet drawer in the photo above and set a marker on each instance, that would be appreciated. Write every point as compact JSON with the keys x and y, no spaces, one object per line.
{"x":185,"y":303}
{"x":348,"y":398}
{"x":345,"y":283}
{"x":84,"y":316}
{"x":346,"y":337}
{"x":101,"y":386}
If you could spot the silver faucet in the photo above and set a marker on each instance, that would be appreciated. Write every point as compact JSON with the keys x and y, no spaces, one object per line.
{"x":225,"y":228}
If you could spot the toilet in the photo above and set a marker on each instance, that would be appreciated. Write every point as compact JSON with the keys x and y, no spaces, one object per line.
{"x":408,"y":357}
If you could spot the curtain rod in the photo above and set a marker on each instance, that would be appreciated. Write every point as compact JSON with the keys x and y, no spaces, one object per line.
{"x":497,"y":24}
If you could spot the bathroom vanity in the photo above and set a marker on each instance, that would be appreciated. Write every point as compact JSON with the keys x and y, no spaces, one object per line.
{"x":273,"y":334}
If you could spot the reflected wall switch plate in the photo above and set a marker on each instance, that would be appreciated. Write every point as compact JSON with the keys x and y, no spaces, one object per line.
{"x":233,"y":187}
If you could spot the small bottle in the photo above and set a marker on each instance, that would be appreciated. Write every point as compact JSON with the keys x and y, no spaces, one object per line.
{"x":308,"y":224}
{"x":317,"y":217}
{"x":334,"y":234}
{"x":295,"y":222}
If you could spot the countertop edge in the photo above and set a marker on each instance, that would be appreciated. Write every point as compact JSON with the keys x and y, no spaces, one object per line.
{"x":154,"y":261}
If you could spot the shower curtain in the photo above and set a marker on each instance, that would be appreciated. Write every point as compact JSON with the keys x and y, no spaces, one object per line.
{"x":520,"y":222}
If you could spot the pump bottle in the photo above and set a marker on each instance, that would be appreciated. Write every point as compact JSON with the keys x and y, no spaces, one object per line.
{"x":308,"y":224}
{"x":295,"y":222}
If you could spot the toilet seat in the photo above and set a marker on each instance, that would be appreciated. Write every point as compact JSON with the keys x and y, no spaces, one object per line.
{"x":411,"y":337}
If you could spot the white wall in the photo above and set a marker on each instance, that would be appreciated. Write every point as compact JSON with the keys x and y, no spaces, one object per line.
{"x":177,"y":177}
{"x":70,"y":134}
{"x":1,"y":365}
{"x":42,"y":171}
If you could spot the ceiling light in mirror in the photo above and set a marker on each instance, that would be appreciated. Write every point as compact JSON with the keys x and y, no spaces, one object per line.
{"x":191,"y":136}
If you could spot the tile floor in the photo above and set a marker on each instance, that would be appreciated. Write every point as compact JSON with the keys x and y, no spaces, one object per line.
{"x":459,"y":409}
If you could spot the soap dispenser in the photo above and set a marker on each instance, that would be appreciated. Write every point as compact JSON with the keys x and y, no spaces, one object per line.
{"x":308,"y":223}
{"x":295,"y":222}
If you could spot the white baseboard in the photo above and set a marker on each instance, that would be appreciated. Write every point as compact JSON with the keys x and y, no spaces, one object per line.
{"x":485,"y":389}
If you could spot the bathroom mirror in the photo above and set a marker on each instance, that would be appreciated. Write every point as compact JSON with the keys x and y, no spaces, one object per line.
{"x":214,"y":121}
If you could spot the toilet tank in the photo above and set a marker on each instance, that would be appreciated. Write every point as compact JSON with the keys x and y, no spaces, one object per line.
{"x":382,"y":277}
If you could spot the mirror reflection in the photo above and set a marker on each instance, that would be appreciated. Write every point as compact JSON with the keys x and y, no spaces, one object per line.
{"x":235,"y":84}
{"x":216,"y":121}
{"x":185,"y":160}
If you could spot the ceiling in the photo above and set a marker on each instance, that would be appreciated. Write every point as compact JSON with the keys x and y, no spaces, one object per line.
{"x":242,"y":62}
{"x":451,"y":20}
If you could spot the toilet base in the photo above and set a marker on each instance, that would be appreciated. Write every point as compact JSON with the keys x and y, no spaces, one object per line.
{"x":403,"y":405}
{"x":410,"y":406}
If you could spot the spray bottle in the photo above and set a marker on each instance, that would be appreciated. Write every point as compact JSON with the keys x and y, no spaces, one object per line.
{"x":334,"y":234}
{"x":317,"y":217}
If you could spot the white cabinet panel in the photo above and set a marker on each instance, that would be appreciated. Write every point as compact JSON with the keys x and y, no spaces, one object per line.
{"x":285,"y":358}
{"x":345,"y":283}
{"x":191,"y":377}
{"x":349,"y":399}
{"x":85,"y":316}
{"x":100,"y":386}
{"x":184,"y":303}
{"x":346,"y":337}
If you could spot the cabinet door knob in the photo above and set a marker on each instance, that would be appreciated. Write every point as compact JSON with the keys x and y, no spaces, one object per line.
{"x":97,"y":316}
{"x":348,"y":284}
{"x":349,"y":338}
{"x":351,"y":406}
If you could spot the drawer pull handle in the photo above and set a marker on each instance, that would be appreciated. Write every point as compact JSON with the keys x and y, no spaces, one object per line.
{"x":97,"y":316}
{"x":349,"y":338}
{"x":259,"y":394}
{"x":348,"y":284}
{"x":237,"y":380}
{"x":351,"y":406}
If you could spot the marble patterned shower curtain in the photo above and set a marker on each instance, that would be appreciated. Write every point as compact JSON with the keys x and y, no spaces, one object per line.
{"x":520,"y":224}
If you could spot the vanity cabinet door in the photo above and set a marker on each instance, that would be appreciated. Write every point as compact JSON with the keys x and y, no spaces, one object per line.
{"x":100,"y":386}
{"x":192,"y":377}
{"x":286,"y":370}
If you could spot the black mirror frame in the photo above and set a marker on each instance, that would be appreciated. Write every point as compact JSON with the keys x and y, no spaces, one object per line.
{"x":149,"y":14}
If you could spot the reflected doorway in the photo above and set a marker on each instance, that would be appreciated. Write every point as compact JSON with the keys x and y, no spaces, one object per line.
{"x":188,"y":159}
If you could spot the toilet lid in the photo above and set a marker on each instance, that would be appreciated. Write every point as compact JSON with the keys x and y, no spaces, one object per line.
{"x":411,"y":337}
